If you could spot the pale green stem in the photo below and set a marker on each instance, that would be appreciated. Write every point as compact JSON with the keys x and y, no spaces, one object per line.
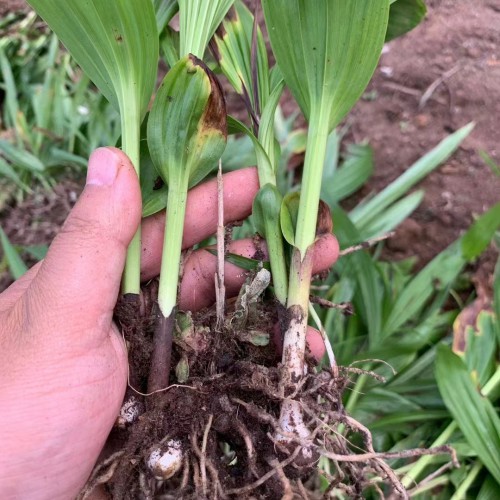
{"x":314,"y":161}
{"x":415,"y":471}
{"x":461,"y":492}
{"x":276,"y":251}
{"x":172,"y":247}
{"x":411,"y":477}
{"x":294,"y":343}
{"x":356,"y":392}
{"x":305,"y":234}
{"x":131,"y":126}
{"x":431,"y":485}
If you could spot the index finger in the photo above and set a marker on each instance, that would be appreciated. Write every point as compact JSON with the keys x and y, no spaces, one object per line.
{"x":240,"y":188}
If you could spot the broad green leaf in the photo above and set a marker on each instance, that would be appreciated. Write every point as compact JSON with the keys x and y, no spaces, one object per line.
{"x":198,"y":21}
{"x":186,"y":136}
{"x":475,"y":340}
{"x":7,"y":171}
{"x":371,"y":210}
{"x":404,"y":16}
{"x":490,"y":490}
{"x":474,"y":413}
{"x":37,"y":251}
{"x":327,"y":53}
{"x":243,"y":262}
{"x":169,"y":44}
{"x":235,"y":126}
{"x":11,"y":105}
{"x":114,"y":41}
{"x":187,"y":124}
{"x":476,"y":240}
{"x":496,"y":297}
{"x":16,"y":265}
{"x":288,"y":216}
{"x":369,"y":293}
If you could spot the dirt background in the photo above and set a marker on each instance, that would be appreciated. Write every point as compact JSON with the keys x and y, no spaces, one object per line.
{"x":456,"y":50}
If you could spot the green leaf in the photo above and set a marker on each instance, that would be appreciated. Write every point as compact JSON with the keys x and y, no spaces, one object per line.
{"x":235,"y":57}
{"x":16,"y":265}
{"x":474,"y":414}
{"x":481,"y":346}
{"x":404,"y":16}
{"x":362,"y":267}
{"x":20,"y":157}
{"x":165,"y":11}
{"x":392,"y":216}
{"x":490,"y":490}
{"x":327,"y":53}
{"x":7,"y":171}
{"x":186,"y":136}
{"x":242,"y":262}
{"x":187,"y":124}
{"x":478,"y":237}
{"x":366,"y":213}
{"x":266,"y":215}
{"x":288,"y":216}
{"x":114,"y":41}
{"x":198,"y":21}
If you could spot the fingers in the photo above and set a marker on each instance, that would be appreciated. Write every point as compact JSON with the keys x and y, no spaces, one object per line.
{"x":82,"y":271}
{"x":240,"y":189}
{"x":197,"y":287}
{"x":314,"y":342}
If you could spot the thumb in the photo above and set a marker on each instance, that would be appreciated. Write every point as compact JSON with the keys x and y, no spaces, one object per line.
{"x":80,"y":276}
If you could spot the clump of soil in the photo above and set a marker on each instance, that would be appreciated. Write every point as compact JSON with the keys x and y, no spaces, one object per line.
{"x":222,"y":409}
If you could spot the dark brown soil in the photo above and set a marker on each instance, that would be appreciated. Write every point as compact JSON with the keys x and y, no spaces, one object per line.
{"x":460,"y":36}
{"x":7,"y":6}
{"x":224,"y":391}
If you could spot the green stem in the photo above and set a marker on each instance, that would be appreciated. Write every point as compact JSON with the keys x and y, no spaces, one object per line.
{"x":172,"y":246}
{"x":305,"y":234}
{"x":461,"y":492}
{"x":131,"y":126}
{"x":411,"y":477}
{"x":314,"y":161}
{"x":276,"y":250}
{"x":299,"y":284}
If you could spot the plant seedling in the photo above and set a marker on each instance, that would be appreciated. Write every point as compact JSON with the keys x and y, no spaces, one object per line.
{"x":327,"y":55}
{"x":116,"y":44}
{"x":186,"y":136}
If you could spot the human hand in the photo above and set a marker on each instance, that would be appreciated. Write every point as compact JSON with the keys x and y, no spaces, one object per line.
{"x":63,"y":365}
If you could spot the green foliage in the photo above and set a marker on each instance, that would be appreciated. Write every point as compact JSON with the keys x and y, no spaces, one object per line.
{"x":53,"y":118}
{"x":16,"y":265}
{"x":328,"y":53}
{"x":186,"y":137}
{"x":474,"y":413}
{"x":404,"y":16}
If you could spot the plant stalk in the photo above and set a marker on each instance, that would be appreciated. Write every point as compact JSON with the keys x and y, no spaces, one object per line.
{"x":130,"y":127}
{"x":167,"y":291}
{"x":294,"y":344}
{"x":172,"y":246}
{"x":305,"y":234}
